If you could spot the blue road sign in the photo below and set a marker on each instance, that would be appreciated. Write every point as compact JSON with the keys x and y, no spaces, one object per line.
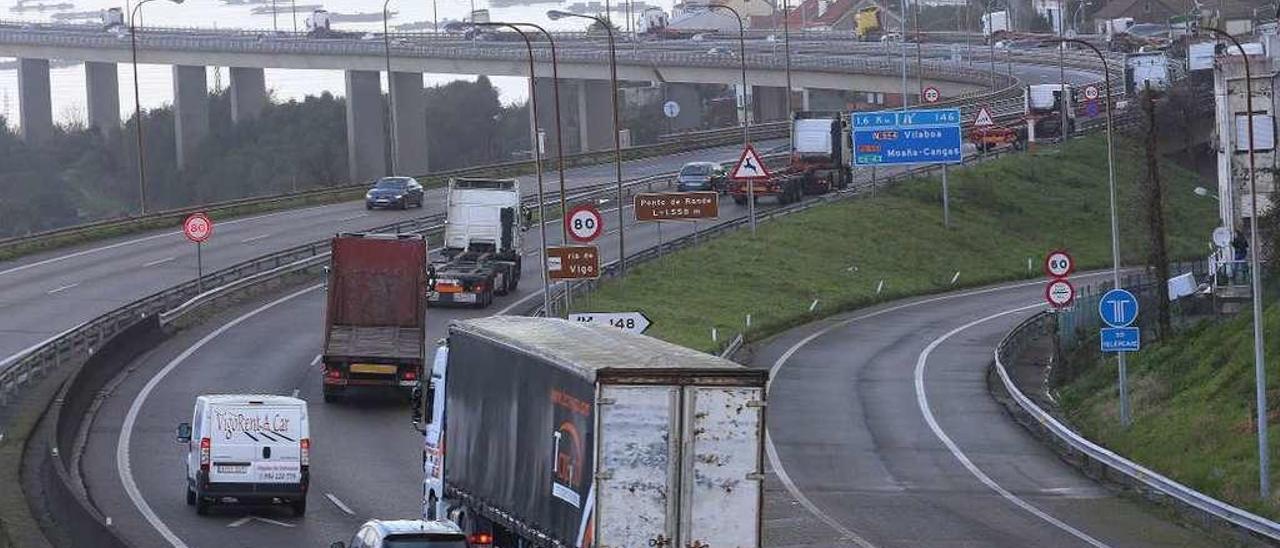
{"x":1091,"y":109}
{"x":907,"y":137}
{"x":1118,"y":308}
{"x":1121,"y":339}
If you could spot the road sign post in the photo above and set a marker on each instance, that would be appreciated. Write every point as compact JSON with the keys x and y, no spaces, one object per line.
{"x":584,"y":223}
{"x":750,"y":168}
{"x":198,"y":228}
{"x":1118,"y":309}
{"x":631,"y":322}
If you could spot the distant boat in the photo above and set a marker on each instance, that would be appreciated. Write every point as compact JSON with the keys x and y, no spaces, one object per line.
{"x":423,"y":25}
{"x":76,"y":15}
{"x":20,"y":8}
{"x":363,"y":17}
{"x":284,"y":7}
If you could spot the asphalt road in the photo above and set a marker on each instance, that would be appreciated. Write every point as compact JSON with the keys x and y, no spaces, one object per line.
{"x":45,"y":294}
{"x":881,"y":421}
{"x":365,"y":455}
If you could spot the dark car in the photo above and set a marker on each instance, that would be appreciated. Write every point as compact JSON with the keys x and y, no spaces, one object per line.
{"x":410,"y":533}
{"x":701,"y":176}
{"x":398,"y":192}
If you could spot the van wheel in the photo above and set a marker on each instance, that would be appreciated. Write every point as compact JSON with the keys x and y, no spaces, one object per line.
{"x":191,"y":497}
{"x":202,"y":506}
{"x":332,"y":395}
{"x":299,"y":507}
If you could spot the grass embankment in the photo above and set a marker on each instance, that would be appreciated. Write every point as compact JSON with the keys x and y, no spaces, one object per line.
{"x":1004,"y":212}
{"x":1192,"y":398}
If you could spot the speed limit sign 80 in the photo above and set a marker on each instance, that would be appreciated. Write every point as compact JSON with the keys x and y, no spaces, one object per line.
{"x":584,"y":223}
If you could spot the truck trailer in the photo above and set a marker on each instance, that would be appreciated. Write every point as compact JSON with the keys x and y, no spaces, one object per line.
{"x":482,"y":235}
{"x":820,"y":160}
{"x":376,"y":313}
{"x":560,"y":433}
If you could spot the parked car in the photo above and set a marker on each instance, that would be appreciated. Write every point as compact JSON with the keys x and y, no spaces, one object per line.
{"x":411,"y":533}
{"x":398,"y":192}
{"x":253,"y":449}
{"x":701,"y":176}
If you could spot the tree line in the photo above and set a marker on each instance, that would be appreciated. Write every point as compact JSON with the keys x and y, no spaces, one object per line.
{"x":85,"y":174}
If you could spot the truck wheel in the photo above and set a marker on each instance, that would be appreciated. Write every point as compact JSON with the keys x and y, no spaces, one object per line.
{"x":505,"y":286}
{"x":299,"y":507}
{"x":332,"y":395}
{"x":202,"y":506}
{"x":191,"y":496}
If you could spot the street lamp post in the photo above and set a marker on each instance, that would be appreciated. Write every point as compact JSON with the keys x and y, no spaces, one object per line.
{"x":1115,"y":225}
{"x":786,"y":60}
{"x":555,"y":15}
{"x":137,"y":107}
{"x":537,"y":156}
{"x":1259,"y":361}
{"x":902,"y":45}
{"x":391,"y":90}
{"x":746,"y":106}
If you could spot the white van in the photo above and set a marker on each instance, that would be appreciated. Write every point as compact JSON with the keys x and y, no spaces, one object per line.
{"x":252,"y":449}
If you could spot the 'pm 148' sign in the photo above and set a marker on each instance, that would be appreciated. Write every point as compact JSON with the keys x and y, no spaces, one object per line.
{"x":907,"y":137}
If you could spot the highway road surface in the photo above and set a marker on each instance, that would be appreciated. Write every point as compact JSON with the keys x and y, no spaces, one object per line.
{"x":366,"y":458}
{"x":880,"y":421}
{"x":44,"y":294}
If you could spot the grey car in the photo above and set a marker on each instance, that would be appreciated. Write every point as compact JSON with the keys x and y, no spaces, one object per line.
{"x":701,"y":176}
{"x":397,"y":192}
{"x":408,"y":533}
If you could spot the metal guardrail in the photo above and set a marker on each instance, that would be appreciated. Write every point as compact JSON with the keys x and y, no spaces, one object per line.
{"x":1142,"y":475}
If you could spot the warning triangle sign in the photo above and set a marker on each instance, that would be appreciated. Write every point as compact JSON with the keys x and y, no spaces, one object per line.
{"x":750,"y":167}
{"x":984,"y":118}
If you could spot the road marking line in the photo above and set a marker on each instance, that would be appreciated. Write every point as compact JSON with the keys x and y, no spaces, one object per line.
{"x":255,"y":238}
{"x":123,"y":468}
{"x":61,"y":289}
{"x":240,"y":521}
{"x":922,"y":399}
{"x":61,"y":258}
{"x":272,"y":521}
{"x":352,"y":218}
{"x":339,"y":504}
{"x":771,"y":450}
{"x":316,"y":360}
{"x":159,"y":262}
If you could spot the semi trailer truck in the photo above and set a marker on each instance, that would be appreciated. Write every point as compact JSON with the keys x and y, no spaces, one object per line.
{"x":560,"y":433}
{"x":482,"y":237}
{"x":819,"y":162}
{"x":376,"y":314}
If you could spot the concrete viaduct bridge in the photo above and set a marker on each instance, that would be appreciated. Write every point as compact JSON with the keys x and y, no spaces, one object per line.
{"x":816,"y":66}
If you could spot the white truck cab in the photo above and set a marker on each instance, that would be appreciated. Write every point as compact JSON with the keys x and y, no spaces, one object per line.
{"x":247,"y":449}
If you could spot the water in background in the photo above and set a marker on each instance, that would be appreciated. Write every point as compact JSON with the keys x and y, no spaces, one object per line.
{"x":156,"y":81}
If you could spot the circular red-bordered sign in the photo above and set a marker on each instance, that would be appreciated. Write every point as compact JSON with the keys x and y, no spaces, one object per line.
{"x":1059,"y":264}
{"x":931,"y":95}
{"x":1091,"y":92}
{"x":1059,"y":293}
{"x":198,"y":227}
{"x":584,"y":223}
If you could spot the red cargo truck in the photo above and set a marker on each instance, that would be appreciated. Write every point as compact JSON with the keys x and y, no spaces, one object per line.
{"x":376,"y":316}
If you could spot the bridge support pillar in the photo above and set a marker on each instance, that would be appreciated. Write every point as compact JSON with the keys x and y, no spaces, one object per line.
{"x":410,"y":123}
{"x":190,"y":110}
{"x":801,"y":98}
{"x":546,"y":122}
{"x":366,"y":127}
{"x":35,"y":112}
{"x":691,"y":109}
{"x":595,"y":114}
{"x":103,"y":94}
{"x":248,"y":93}
{"x":769,"y":103}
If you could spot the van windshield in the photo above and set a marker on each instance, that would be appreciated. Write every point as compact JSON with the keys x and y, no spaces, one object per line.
{"x":419,"y":541}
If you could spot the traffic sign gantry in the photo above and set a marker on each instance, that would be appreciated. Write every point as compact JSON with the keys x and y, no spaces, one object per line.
{"x":573,"y":262}
{"x":750,"y":166}
{"x":632,"y":322}
{"x":1059,"y":293}
{"x":931,"y":95}
{"x":1118,"y":308}
{"x":1059,"y":264}
{"x":584,"y":223}
{"x":676,"y":206}
{"x":197,"y":227}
